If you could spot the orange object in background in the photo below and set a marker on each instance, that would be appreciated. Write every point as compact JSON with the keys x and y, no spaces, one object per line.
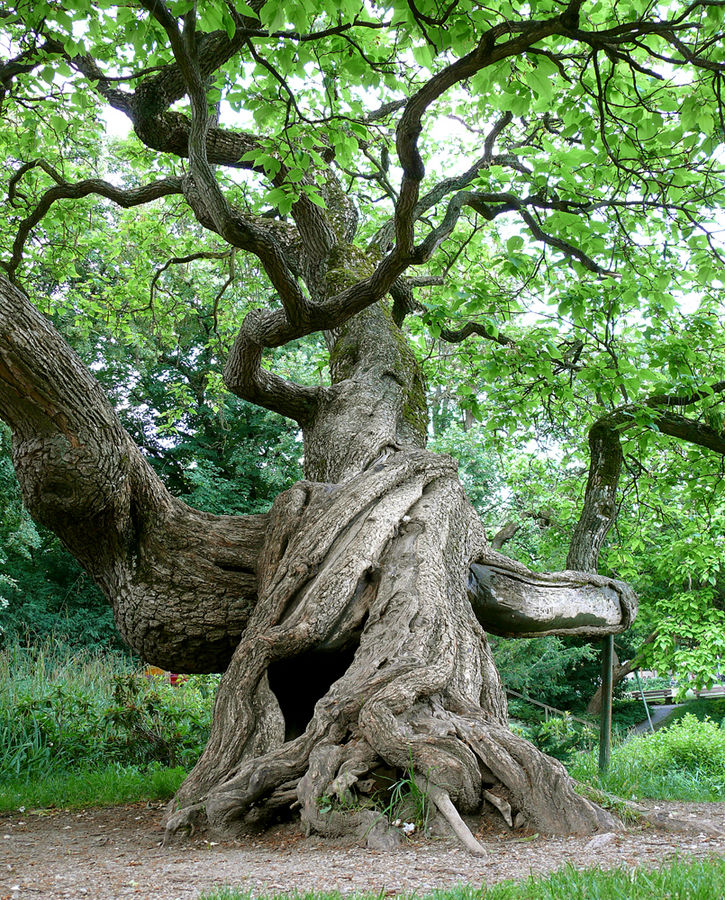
{"x":153,"y":672}
{"x":171,"y":677}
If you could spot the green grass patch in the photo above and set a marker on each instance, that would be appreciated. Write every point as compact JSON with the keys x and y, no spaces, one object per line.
{"x":108,"y":786}
{"x":705,"y":708}
{"x":685,"y":761}
{"x":681,"y":880}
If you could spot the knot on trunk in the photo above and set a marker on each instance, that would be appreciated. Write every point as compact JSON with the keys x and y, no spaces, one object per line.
{"x":62,"y":477}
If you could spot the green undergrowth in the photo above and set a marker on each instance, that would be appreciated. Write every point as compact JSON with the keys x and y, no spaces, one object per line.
{"x":706,"y":708}
{"x":685,"y":761}
{"x":108,"y":786}
{"x":563,"y":736}
{"x":79,"y":728}
{"x":680,"y":880}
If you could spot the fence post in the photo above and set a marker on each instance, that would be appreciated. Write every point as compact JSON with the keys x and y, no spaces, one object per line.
{"x":605,"y":726}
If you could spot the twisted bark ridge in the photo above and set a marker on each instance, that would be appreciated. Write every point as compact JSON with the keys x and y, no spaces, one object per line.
{"x":350,"y":620}
{"x":371,"y":573}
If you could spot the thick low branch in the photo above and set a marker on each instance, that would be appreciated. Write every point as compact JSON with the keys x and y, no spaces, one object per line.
{"x":181,"y":583}
{"x":512,"y":601}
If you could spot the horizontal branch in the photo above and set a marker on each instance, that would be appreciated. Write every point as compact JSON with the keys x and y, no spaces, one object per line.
{"x":165,"y":568}
{"x":470,"y":328}
{"x":510,"y":600}
{"x":125,"y":198}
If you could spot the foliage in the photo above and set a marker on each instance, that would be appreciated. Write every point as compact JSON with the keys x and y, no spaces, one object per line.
{"x":685,"y":761}
{"x":680,"y":879}
{"x":559,"y":736}
{"x":18,"y":535}
{"x":707,"y":708}
{"x":552,"y":670}
{"x":668,"y":544}
{"x":611,"y":297}
{"x":53,"y":597}
{"x":62,"y":711}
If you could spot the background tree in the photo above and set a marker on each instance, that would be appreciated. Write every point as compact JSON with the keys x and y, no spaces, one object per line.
{"x":360,"y":573}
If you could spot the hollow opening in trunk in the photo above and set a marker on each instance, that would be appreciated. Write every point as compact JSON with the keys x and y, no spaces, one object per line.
{"x":300,"y":681}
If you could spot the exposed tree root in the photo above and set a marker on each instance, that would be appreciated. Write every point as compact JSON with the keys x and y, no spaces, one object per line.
{"x":376,"y":565}
{"x":452,"y":816}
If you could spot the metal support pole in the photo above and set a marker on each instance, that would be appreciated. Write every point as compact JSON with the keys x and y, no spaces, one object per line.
{"x":644,"y":700}
{"x":605,"y":727}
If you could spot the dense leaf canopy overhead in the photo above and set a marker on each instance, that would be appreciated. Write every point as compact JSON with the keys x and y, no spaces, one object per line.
{"x":534,"y":190}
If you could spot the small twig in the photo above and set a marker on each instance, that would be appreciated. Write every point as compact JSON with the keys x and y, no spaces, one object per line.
{"x":180,"y":260}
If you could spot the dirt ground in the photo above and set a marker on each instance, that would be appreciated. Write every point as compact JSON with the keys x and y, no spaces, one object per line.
{"x":116,"y":852}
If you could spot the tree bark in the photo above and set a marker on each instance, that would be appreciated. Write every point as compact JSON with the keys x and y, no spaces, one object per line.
{"x":372,"y":569}
{"x":600,"y":506}
{"x":346,"y":615}
{"x":181,"y":583}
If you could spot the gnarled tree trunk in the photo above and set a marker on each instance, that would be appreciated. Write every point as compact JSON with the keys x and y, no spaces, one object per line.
{"x":351,"y":618}
{"x":357,"y":606}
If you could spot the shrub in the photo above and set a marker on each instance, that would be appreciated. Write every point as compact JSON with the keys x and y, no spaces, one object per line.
{"x":685,"y":761}
{"x":62,"y":711}
{"x":562,"y":737}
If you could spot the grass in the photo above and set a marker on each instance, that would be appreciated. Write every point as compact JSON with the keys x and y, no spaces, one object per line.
{"x":78,"y":729}
{"x":683,"y":762}
{"x":706,"y":708}
{"x":680,"y":880}
{"x":84,"y":728}
{"x":109,"y":786}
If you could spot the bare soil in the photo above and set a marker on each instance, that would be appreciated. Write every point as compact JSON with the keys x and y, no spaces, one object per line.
{"x":116,"y":852}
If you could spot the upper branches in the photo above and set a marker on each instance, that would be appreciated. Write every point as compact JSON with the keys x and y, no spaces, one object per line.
{"x":175,"y":100}
{"x":67,"y":191}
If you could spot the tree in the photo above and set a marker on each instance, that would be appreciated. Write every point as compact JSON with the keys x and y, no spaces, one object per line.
{"x":350,"y":617}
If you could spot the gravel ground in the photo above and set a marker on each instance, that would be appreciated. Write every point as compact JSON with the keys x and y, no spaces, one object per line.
{"x":116,"y":852}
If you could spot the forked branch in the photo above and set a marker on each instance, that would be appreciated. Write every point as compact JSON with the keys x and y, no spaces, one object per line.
{"x":605,"y":463}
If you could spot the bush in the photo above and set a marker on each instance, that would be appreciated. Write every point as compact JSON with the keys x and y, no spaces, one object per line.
{"x":706,"y":708}
{"x":685,"y":761}
{"x":562,"y":737}
{"x":626,"y":714}
{"x":62,"y":712}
